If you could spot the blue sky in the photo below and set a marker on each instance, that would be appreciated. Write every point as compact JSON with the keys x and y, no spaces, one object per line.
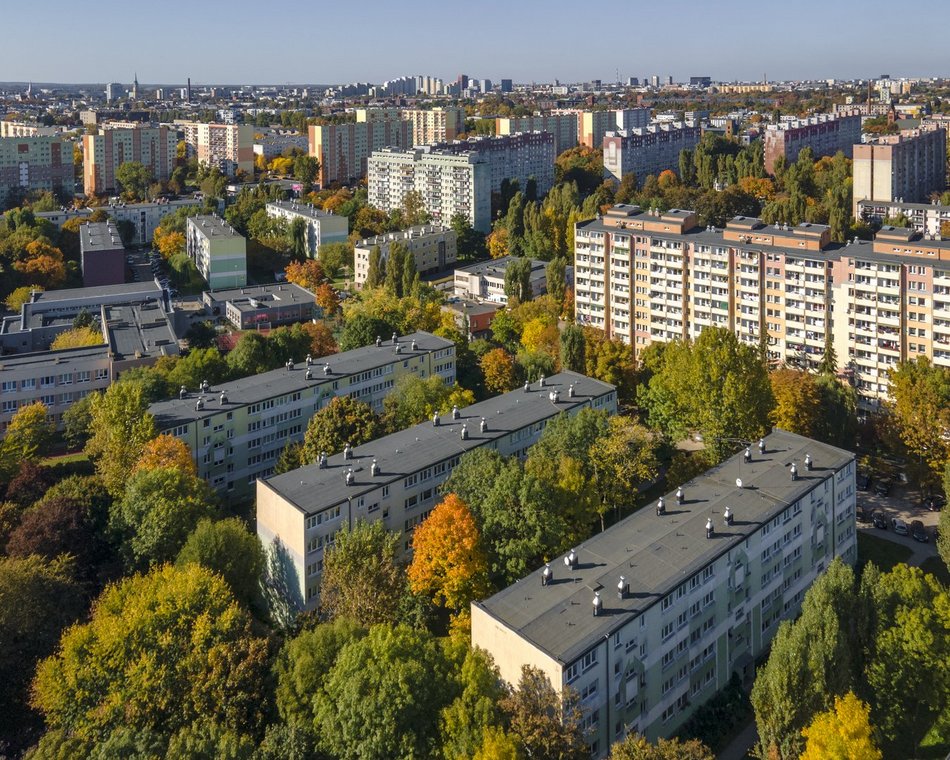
{"x":527,"y":40}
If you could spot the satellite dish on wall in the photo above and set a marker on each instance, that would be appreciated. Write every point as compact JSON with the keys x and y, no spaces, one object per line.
{"x":738,"y":482}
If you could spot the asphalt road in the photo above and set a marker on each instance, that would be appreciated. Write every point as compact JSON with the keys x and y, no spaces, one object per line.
{"x":904,"y":503}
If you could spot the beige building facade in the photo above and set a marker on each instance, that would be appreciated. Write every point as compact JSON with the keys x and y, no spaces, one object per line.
{"x":433,"y":248}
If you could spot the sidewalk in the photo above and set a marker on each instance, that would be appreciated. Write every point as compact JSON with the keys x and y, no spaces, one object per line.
{"x":738,"y":747}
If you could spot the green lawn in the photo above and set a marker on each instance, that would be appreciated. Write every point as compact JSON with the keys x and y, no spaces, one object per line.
{"x":883,"y":553}
{"x":77,"y":456}
{"x":185,"y":276}
{"x":935,"y":566}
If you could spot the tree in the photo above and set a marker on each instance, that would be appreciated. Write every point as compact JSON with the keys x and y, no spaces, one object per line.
{"x":321,"y":339}
{"x":361,"y":330}
{"x":38,"y":599}
{"x":518,"y":280}
{"x":623,"y":459}
{"x":250,"y":356}
{"x":395,"y":268}
{"x":76,"y":420}
{"x":201,"y":335}
{"x":29,"y":433}
{"x":344,"y":420}
{"x":837,"y":421}
{"x":166,"y":452}
{"x":414,"y":400}
{"x":384,"y":695}
{"x":14,"y":302}
{"x":168,"y":244}
{"x":159,"y":652}
{"x":229,"y":549}
{"x":920,"y":409}
{"x":119,"y":429}
{"x":297,"y":237}
{"x":476,"y":710}
{"x":307,"y":274}
{"x":498,"y":367}
{"x":796,"y":401}
{"x":158,"y":511}
{"x":303,"y":664}
{"x":287,"y":342}
{"x":42,"y":263}
{"x":199,"y":365}
{"x":448,"y":563}
{"x":636,"y":747}
{"x":306,"y":169}
{"x":77,"y":338}
{"x":572,"y":348}
{"x":362,"y":579}
{"x":547,"y":725}
{"x":134,"y":179}
{"x":841,"y":733}
{"x":327,"y":299}
{"x":376,"y":272}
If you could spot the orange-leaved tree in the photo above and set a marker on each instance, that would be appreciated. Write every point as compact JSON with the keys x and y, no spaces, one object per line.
{"x":499,"y":370}
{"x":327,"y":299}
{"x":307,"y":274}
{"x":449,"y":564}
{"x":166,"y":451}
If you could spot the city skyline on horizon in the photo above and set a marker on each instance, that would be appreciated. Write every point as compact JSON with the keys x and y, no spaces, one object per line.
{"x":526,"y":45}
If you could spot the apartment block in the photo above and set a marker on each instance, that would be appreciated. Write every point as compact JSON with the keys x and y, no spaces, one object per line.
{"x":322,"y":226}
{"x":563,"y":126}
{"x":136,"y":327}
{"x":433,"y":248}
{"x":101,"y":254}
{"x":344,"y":149}
{"x":104,"y":153}
{"x":396,"y":478}
{"x":927,"y":218}
{"x":29,"y":164}
{"x":824,"y":133}
{"x":230,"y":147}
{"x":644,"y":276}
{"x":485,"y":281}
{"x":904,"y":167}
{"x":433,"y":125}
{"x":518,"y":157}
{"x":592,"y":126}
{"x":647,"y":150}
{"x":219,"y":252}
{"x":449,"y":183}
{"x":237,"y":431}
{"x":27,"y":129}
{"x":648,"y":620}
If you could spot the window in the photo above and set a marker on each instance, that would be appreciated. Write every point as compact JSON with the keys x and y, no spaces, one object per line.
{"x":9,"y":386}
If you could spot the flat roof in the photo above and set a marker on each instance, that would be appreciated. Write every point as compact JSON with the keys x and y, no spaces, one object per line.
{"x":497,"y":267}
{"x":421,"y":230}
{"x":304,"y":209}
{"x":210,"y":225}
{"x":134,"y":291}
{"x":250,"y":390}
{"x":140,"y":328}
{"x":41,"y":361}
{"x":271,"y":294}
{"x":99,"y":236}
{"x":657,"y":554}
{"x":312,"y":488}
{"x":474,"y":308}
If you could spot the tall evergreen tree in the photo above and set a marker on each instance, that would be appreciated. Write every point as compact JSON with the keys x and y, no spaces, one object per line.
{"x":376,"y":273}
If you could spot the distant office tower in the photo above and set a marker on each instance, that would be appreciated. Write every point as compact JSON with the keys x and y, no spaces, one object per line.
{"x":113,"y":92}
{"x":230,"y":147}
{"x":485,"y":85}
{"x":647,"y":150}
{"x":906,"y":167}
{"x":462,"y":81}
{"x":433,"y":248}
{"x":448,"y":183}
{"x":633,"y":82}
{"x":506,"y":85}
{"x":35,"y":164}
{"x":104,"y":153}
{"x":654,"y":81}
{"x":700,"y":81}
{"x":825,"y":134}
{"x":188,"y":90}
{"x":518,"y":157}
{"x":219,"y":253}
{"x":562,"y":126}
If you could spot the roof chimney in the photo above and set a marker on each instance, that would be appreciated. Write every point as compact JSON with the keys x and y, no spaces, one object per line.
{"x":808,"y":462}
{"x":660,"y":507}
{"x":710,"y":530}
{"x":727,"y":516}
{"x":680,"y":495}
{"x":547,"y":575}
{"x":622,"y":587}
{"x":598,"y":604}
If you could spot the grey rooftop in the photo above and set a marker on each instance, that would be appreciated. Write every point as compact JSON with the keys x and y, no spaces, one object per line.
{"x":268,"y":295}
{"x":99,"y":236}
{"x":213,"y":226}
{"x":656,"y":554}
{"x":497,"y":267}
{"x":250,"y":390}
{"x":303,"y":209}
{"x":312,"y":488}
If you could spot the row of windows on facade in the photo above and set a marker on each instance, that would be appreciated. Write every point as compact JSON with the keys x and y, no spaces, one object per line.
{"x":50,"y":381}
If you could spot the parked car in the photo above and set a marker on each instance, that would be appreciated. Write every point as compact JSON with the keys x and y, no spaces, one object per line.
{"x":863,"y":481}
{"x":899,"y":526}
{"x":879,"y":520}
{"x":918,"y":532}
{"x":883,"y":488}
{"x":934,"y":501}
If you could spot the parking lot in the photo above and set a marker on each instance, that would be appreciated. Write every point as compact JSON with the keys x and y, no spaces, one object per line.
{"x":902,"y":502}
{"x":145,"y":266}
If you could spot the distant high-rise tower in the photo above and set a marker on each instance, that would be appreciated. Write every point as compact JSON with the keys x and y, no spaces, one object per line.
{"x":135,"y":87}
{"x":189,"y":89}
{"x":113,"y":91}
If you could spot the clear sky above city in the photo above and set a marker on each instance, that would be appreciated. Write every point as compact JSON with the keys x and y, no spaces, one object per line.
{"x":527,"y":40}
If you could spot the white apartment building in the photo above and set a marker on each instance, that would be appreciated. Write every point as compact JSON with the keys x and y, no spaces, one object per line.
{"x":219,"y":252}
{"x":485,"y":281}
{"x":643,"y":276}
{"x":448,"y":183}
{"x":927,"y":218}
{"x":647,"y":150}
{"x":396,"y":478}
{"x":648,"y":620}
{"x":433,"y":248}
{"x":562,"y":125}
{"x":518,"y":157}
{"x":322,"y":226}
{"x":230,"y":147}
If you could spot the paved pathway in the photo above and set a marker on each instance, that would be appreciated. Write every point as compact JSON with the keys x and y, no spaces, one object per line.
{"x":738,"y":748}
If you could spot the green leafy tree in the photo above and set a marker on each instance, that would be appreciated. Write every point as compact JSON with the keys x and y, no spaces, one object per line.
{"x":160,"y":652}
{"x":837,"y":421}
{"x":119,"y":429}
{"x":395,"y":268}
{"x":228,"y":548}
{"x":134,"y":179}
{"x":199,"y":365}
{"x":38,"y":599}
{"x":920,"y":410}
{"x":334,"y":257}
{"x":158,"y":511}
{"x":297,"y":233}
{"x":415,"y":399}
{"x":518,"y":280}
{"x":362,"y":579}
{"x":556,"y":279}
{"x":376,"y":272}
{"x":344,"y":420}
{"x":545,"y":723}
{"x":306,"y":169}
{"x":384,"y":696}
{"x":250,"y":356}
{"x":201,"y":335}
{"x":573,"y":349}
{"x":475,"y":710}
{"x":362,"y":329}
{"x":636,"y":747}
{"x":622,"y":459}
